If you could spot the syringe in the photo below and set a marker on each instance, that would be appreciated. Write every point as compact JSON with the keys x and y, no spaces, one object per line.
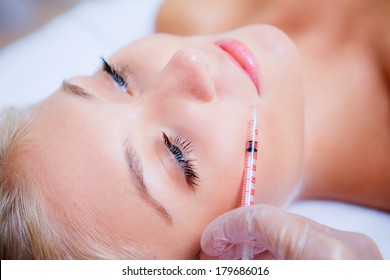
{"x":249,"y":182}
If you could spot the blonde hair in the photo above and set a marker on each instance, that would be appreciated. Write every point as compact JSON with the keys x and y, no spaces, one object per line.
{"x":28,"y":230}
{"x":21,"y":215}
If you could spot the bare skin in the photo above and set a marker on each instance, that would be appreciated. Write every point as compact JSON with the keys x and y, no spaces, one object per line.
{"x":345,"y":50}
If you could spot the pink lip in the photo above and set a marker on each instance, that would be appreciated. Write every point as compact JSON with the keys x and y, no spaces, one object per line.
{"x":243,"y":57}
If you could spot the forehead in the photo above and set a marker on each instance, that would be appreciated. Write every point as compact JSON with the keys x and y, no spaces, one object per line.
{"x":79,"y":169}
{"x":69,"y":149}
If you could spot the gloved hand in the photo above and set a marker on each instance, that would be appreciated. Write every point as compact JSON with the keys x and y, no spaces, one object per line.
{"x":276,"y":234}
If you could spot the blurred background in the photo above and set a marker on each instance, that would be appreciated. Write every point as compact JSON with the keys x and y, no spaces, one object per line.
{"x":20,"y":17}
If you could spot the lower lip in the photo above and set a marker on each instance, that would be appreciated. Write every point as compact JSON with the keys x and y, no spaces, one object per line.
{"x":242,"y":56}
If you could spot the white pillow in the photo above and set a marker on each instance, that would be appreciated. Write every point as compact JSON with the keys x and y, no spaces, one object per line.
{"x":71,"y":44}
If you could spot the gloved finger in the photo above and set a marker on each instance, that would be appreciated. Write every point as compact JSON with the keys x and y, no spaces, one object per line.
{"x":226,"y":234}
{"x":236,"y":251}
{"x":284,"y":235}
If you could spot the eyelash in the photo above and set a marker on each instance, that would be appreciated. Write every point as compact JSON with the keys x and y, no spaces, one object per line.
{"x":181,"y":155}
{"x":116,"y":74}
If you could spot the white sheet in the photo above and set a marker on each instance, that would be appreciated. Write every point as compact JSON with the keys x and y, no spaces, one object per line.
{"x":33,"y":67}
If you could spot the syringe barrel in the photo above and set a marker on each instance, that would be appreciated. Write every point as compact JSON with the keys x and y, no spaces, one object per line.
{"x":250,"y":167}
{"x":251,"y":149}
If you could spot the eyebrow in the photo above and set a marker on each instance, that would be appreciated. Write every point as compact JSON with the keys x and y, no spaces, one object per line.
{"x":135,"y":166}
{"x":77,"y":91}
{"x":132,"y":158}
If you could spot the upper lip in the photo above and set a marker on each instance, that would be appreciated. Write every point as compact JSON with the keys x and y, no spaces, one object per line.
{"x":242,"y":55}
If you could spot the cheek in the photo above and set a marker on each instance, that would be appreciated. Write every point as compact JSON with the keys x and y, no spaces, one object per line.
{"x":281,"y":152}
{"x":221,"y":160}
{"x":281,"y":132}
{"x":224,"y":172}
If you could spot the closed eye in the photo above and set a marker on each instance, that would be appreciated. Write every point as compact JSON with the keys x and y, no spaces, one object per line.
{"x":181,"y":151}
{"x":117,"y":74}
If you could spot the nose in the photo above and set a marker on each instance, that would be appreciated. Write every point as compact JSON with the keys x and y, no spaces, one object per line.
{"x":187,"y":75}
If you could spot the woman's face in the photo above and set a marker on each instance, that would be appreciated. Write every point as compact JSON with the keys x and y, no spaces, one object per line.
{"x":152,"y":162}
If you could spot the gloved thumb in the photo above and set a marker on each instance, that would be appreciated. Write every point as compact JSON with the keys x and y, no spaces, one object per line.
{"x":225,"y":237}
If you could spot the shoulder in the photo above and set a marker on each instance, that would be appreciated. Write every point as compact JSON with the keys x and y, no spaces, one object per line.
{"x":200,"y":16}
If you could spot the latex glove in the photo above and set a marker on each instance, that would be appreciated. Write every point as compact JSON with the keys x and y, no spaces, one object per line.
{"x":276,"y":234}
